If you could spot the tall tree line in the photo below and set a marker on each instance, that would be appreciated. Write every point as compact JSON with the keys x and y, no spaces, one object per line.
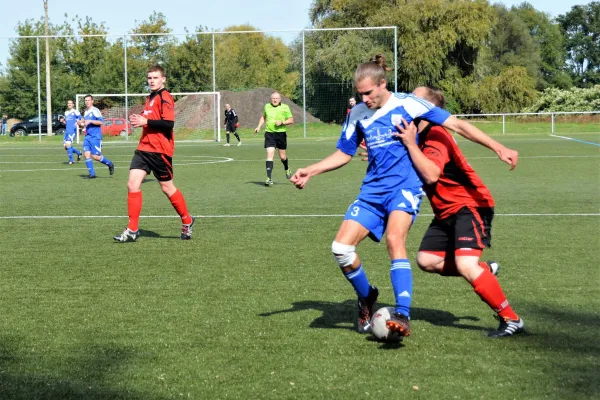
{"x":486,"y":57}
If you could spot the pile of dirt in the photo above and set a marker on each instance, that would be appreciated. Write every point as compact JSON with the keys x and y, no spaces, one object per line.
{"x":249,"y":106}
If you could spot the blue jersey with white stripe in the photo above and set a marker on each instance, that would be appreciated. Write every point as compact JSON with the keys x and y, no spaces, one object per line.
{"x":390,"y":167}
{"x":94,"y":131}
{"x":71,"y":118}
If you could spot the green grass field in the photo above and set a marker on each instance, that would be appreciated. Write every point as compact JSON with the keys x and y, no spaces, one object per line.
{"x":255,"y":307}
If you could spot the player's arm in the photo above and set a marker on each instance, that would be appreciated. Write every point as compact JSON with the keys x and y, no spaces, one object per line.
{"x":334,"y":161}
{"x":427,"y":169}
{"x":261,"y":121}
{"x":470,"y":132}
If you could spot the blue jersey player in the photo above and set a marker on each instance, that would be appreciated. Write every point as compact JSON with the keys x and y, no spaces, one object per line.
{"x":390,"y":195}
{"x":71,"y":118}
{"x":92,"y":144}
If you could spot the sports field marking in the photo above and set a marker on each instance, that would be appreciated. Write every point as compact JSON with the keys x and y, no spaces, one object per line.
{"x":271,"y":216}
{"x":576,"y":140}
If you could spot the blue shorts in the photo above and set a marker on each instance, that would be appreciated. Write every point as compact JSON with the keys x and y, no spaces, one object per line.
{"x":92,"y":145}
{"x":373,"y":212}
{"x":69,"y":137}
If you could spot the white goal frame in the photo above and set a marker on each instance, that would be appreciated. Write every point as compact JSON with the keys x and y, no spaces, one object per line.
{"x":217,"y":109}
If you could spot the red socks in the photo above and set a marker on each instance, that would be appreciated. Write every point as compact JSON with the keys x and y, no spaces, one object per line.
{"x":488,"y":288}
{"x":134,"y":209}
{"x":179,"y":205}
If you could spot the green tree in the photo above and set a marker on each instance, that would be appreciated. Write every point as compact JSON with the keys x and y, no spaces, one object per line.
{"x":550,"y":41}
{"x":581,"y":27}
{"x":253,"y":60}
{"x":190,"y":64}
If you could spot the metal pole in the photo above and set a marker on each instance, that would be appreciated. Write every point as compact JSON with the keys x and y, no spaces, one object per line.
{"x":126,"y":84}
{"x":48,"y":89}
{"x":39,"y":90}
{"x":503,"y":124}
{"x":304,"y":83}
{"x":214,"y":76}
{"x":552,"y":118}
{"x":396,"y":59}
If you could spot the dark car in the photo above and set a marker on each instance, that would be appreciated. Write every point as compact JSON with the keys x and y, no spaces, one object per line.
{"x":31,"y":126}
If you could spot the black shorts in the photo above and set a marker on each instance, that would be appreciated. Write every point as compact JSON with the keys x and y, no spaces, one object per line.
{"x":277,"y":140}
{"x":230,"y":127}
{"x":469,"y":228}
{"x":161,"y":165}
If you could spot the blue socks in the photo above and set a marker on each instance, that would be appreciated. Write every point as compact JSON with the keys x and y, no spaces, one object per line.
{"x":106,"y":161}
{"x":401,"y":277}
{"x":89,"y":163}
{"x":70,"y":153}
{"x":75,"y":151}
{"x":359,"y":281}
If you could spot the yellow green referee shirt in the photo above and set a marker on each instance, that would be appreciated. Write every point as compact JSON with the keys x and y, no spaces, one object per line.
{"x":280,"y":113}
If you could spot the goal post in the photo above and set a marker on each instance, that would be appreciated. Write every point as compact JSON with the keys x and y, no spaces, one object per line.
{"x":197,"y":114}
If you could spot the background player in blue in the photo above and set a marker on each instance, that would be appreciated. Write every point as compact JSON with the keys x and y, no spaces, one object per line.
{"x":390,"y":196}
{"x":71,"y":118}
{"x":92,"y":144}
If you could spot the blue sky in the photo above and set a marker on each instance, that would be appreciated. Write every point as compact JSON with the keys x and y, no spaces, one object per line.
{"x":120,"y":16}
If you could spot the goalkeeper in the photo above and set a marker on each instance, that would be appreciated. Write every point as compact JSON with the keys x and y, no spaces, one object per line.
{"x":231,"y":124}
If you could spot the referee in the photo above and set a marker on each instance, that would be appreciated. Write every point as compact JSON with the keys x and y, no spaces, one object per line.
{"x":275,"y":117}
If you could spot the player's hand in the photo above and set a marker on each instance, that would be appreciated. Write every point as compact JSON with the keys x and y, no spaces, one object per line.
{"x":300,"y":178}
{"x":407,"y":132}
{"x":137,"y":120}
{"x":364,"y":154}
{"x":256,"y":130}
{"x":509,"y":156}
{"x":278,"y":123}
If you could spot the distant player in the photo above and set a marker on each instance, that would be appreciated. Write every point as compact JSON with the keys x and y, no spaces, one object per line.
{"x":391,"y":193}
{"x":231,"y":124}
{"x":351,"y":104}
{"x":275,"y":117}
{"x":72,"y":116}
{"x":463,"y":207}
{"x":154,"y":154}
{"x":92,"y":144}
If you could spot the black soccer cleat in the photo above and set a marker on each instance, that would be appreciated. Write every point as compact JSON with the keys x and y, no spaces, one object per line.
{"x":399,"y":323}
{"x":186,"y":230}
{"x":78,"y":157}
{"x":111,"y":169}
{"x":90,"y":176}
{"x":507,"y":328}
{"x":365,"y":311}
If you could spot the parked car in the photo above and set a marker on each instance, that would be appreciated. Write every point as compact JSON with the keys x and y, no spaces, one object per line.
{"x":32,"y":126}
{"x":116,"y":127}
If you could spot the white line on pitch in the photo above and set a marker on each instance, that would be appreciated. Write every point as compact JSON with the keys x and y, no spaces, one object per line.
{"x":272,"y":216}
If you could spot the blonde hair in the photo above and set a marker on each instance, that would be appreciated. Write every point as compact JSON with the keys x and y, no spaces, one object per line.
{"x":375,"y":68}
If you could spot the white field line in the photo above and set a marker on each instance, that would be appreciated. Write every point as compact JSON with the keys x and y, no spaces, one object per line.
{"x":240,"y":216}
{"x":576,"y":140}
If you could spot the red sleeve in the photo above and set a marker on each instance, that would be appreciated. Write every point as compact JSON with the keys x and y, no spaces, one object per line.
{"x":168,"y":107}
{"x":436,"y":147}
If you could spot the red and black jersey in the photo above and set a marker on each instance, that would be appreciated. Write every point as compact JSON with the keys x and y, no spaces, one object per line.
{"x":458,"y":185}
{"x":159,"y":106}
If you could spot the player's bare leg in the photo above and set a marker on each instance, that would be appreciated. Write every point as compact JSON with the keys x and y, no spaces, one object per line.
{"x":350,"y":234}
{"x":400,"y":271}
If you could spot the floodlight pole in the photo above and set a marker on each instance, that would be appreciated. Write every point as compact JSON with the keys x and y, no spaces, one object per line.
{"x":48,"y":89}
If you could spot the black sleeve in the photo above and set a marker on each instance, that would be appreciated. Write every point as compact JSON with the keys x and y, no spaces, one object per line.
{"x":235,"y":116}
{"x":161,"y":124}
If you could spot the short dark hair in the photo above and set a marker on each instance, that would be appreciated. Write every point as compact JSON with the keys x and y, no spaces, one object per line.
{"x":88,"y":95}
{"x":157,"y":68}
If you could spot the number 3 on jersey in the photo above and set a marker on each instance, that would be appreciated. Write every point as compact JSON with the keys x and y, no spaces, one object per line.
{"x":355,"y":210}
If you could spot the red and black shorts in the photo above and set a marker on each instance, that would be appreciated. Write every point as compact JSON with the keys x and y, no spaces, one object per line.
{"x":276,"y":139}
{"x":161,"y":165}
{"x":468,"y":231}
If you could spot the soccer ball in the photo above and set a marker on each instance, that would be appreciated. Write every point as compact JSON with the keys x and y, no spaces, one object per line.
{"x":379,"y":328}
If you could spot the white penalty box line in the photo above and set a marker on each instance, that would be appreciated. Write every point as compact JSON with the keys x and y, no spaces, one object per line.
{"x":241,"y":216}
